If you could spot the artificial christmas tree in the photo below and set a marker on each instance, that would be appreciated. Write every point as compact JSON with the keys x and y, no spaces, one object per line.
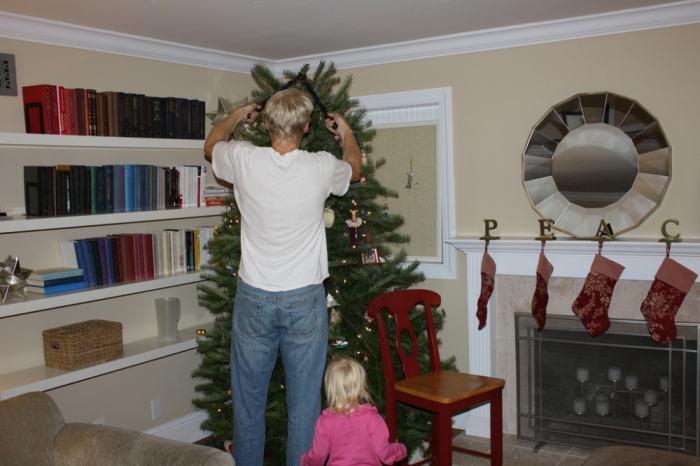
{"x":361,"y":267}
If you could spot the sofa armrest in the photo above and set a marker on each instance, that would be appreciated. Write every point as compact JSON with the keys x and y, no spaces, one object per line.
{"x":79,"y":444}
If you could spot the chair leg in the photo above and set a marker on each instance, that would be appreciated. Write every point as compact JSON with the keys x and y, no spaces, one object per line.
{"x":497,"y":428}
{"x":391,"y":418}
{"x":442,"y":442}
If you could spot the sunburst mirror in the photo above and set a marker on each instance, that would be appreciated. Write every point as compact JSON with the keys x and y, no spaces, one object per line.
{"x":596,"y":158}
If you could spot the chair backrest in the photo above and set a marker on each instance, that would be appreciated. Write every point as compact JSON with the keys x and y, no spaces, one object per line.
{"x":399,"y":305}
{"x":28,"y":425}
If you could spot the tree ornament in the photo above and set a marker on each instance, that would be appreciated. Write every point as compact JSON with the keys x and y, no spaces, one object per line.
{"x":330,"y":301}
{"x":334,"y":317}
{"x":328,"y":217}
{"x":353,"y":224}
{"x":13,"y":278}
{"x":372,"y":255}
{"x":224,"y":109}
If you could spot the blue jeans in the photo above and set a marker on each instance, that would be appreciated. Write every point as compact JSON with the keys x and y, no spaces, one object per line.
{"x":296,"y":322}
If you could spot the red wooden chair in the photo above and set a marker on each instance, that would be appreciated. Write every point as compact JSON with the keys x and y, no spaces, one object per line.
{"x":441,"y":393}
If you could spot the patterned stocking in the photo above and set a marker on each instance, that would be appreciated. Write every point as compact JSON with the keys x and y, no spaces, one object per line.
{"x":592,"y":303}
{"x":541,"y":297}
{"x":671,"y":283}
{"x":488,"y":280}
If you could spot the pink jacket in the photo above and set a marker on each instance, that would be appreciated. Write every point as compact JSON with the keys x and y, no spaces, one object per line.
{"x":359,"y":440}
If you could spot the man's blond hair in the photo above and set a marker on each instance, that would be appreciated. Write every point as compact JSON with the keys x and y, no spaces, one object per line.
{"x":345,"y":383}
{"x":287,"y":113}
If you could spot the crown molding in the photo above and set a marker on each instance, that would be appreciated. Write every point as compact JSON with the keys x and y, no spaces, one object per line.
{"x":27,"y":28}
{"x":19,"y":27}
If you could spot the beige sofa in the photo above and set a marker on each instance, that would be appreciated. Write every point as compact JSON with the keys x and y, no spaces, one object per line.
{"x":33,"y":432}
{"x":623,"y":456}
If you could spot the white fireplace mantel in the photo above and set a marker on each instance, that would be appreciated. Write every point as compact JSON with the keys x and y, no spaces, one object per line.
{"x":570,"y":258}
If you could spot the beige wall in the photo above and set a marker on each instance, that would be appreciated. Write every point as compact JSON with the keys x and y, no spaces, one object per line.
{"x":497,"y":98}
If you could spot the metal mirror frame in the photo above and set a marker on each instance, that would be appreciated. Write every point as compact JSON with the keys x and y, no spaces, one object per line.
{"x":578,"y":117}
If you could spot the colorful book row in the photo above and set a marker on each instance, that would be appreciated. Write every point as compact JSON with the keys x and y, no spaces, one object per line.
{"x":82,"y":190}
{"x":51,"y":109}
{"x":130,"y":257}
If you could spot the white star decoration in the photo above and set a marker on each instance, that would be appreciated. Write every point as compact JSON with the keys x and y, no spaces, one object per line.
{"x":13,"y":278}
{"x":225,"y":108}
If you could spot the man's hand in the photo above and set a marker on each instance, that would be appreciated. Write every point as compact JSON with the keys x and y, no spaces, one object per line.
{"x":246,"y":114}
{"x":351,"y":152}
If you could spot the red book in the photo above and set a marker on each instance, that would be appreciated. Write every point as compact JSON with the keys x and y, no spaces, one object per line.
{"x":71,"y":111}
{"x":148,"y":254}
{"x":129,"y":257}
{"x":38,"y":109}
{"x":62,"y":110}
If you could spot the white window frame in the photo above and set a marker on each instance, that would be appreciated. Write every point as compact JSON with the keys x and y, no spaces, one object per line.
{"x":430,"y":107}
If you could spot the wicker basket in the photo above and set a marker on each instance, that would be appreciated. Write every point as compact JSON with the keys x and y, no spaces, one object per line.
{"x":83,"y":344}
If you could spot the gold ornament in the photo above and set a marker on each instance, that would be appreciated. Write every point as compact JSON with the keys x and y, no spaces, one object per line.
{"x":225,"y":108}
{"x":13,"y":278}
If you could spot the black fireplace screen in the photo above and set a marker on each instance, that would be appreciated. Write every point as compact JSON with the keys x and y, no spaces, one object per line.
{"x":618,"y":388}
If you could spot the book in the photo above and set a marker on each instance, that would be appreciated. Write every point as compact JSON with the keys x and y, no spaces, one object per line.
{"x":62,"y":109}
{"x":55,"y":281}
{"x":90,"y":276}
{"x":68,"y":254}
{"x":119,"y":187}
{"x":56,"y":288}
{"x":156,"y":120}
{"x":53,"y":273}
{"x":38,"y":190}
{"x":171,"y":117}
{"x":63,"y":193}
{"x":81,"y":111}
{"x":38,"y":110}
{"x":71,"y":111}
{"x":92,"y":112}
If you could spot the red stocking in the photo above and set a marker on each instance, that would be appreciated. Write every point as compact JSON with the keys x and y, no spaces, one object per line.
{"x":541,"y":297}
{"x":488,"y":280}
{"x":671,"y":283}
{"x":592,"y":303}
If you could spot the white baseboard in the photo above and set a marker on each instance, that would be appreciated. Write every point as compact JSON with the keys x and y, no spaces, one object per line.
{"x":184,"y":429}
{"x":478,"y":426}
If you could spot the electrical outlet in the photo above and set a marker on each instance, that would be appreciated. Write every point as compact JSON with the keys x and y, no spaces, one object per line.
{"x":99,"y":421}
{"x":155,"y":408}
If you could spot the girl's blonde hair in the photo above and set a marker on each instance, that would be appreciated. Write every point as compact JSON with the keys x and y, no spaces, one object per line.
{"x":287,"y":113}
{"x":345,"y":383}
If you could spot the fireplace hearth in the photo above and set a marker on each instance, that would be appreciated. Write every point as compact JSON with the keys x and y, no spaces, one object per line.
{"x":619,"y":388}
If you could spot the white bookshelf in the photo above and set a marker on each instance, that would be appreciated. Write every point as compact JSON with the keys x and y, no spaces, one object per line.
{"x":15,"y":231}
{"x":42,"y":378}
{"x":22,"y":224}
{"x":37,"y":302}
{"x":56,"y":140}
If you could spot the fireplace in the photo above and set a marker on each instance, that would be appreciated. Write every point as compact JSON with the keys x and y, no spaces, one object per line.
{"x":619,"y":388}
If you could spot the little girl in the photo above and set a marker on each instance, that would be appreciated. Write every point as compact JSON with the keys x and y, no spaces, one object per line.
{"x":351,"y":431}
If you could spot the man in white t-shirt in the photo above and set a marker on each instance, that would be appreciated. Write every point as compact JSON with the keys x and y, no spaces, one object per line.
{"x":280,"y":300}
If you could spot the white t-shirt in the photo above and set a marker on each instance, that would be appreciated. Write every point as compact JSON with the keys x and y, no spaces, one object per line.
{"x":281,"y":199}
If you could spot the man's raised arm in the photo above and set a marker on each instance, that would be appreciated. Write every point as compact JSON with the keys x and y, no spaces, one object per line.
{"x":222,"y":131}
{"x":351,"y":151}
